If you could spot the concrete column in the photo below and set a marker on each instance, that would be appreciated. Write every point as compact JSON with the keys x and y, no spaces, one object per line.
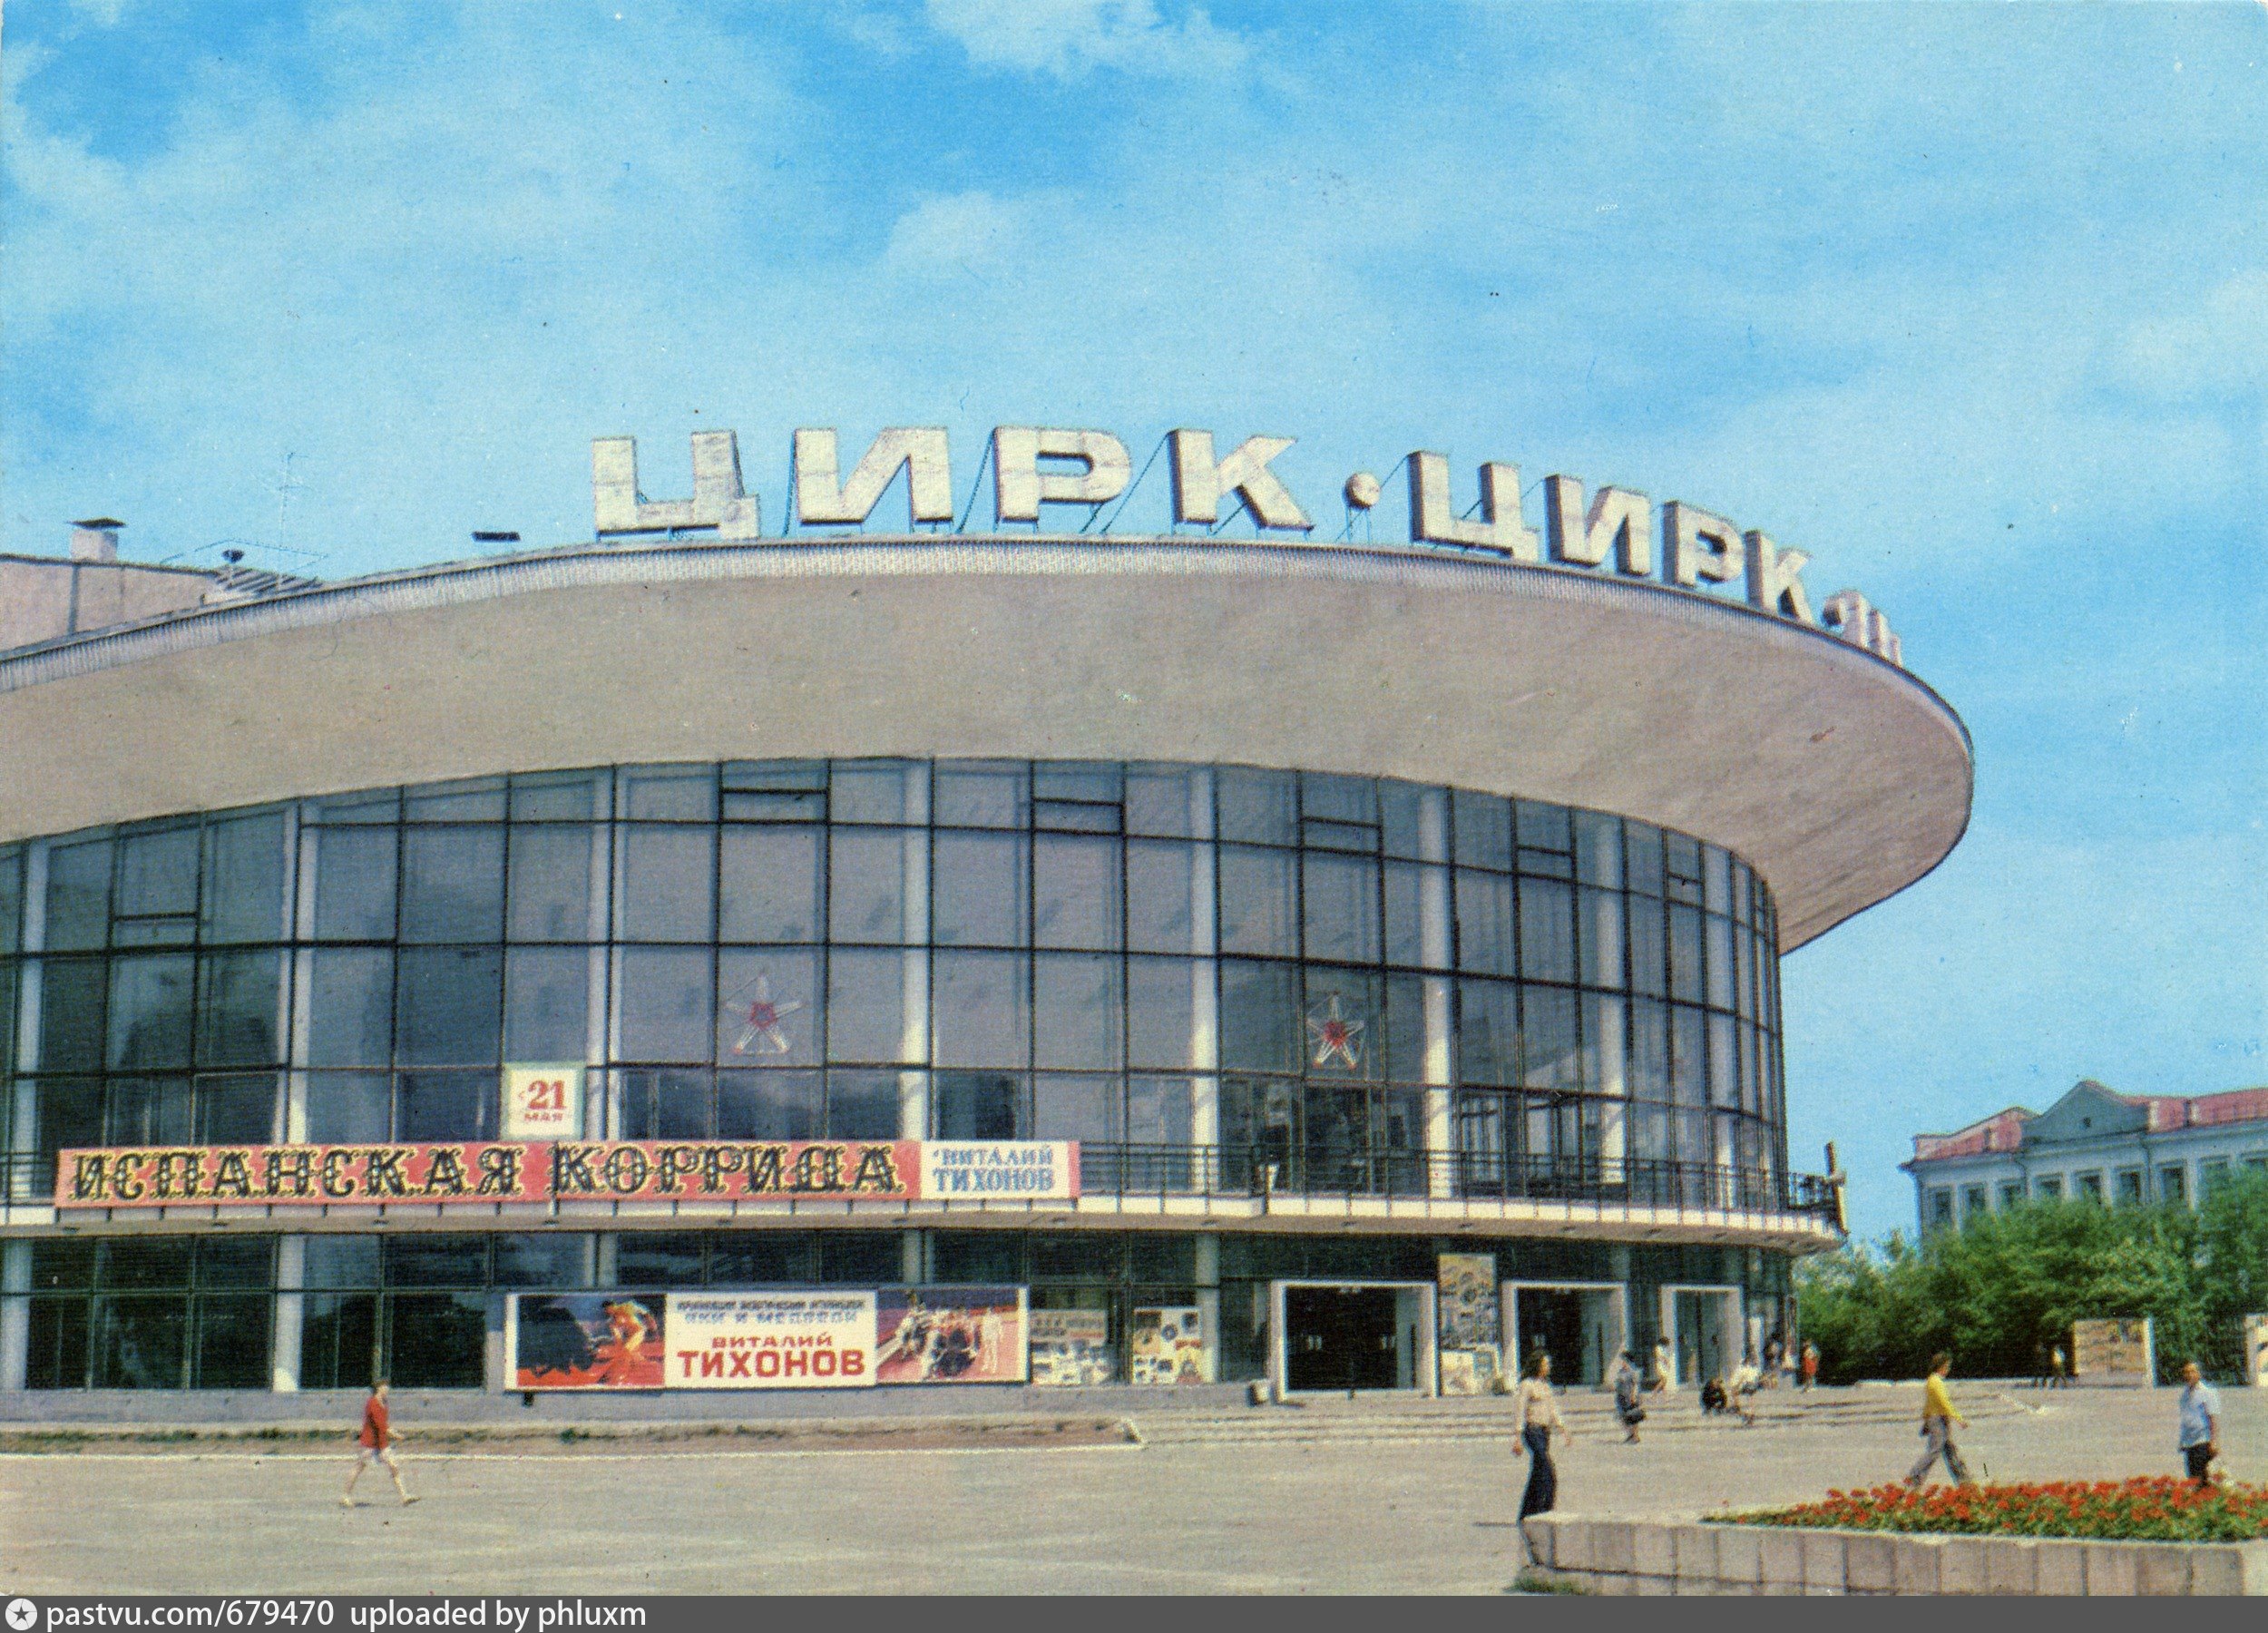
{"x":1209,"y":1299}
{"x":16,"y":1313}
{"x":914,"y":1257}
{"x":496,"y":1374}
{"x":300,"y":926}
{"x":1433,"y":938}
{"x":1205,"y":988}
{"x":914,"y":1040}
{"x":607,"y":1265}
{"x":291,"y":1260}
{"x":597,"y":1011}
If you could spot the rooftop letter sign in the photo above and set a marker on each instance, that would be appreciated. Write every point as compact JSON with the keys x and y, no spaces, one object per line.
{"x":1618,"y":532}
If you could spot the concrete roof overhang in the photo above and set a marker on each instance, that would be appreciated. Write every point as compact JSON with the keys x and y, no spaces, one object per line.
{"x":1838,"y":775}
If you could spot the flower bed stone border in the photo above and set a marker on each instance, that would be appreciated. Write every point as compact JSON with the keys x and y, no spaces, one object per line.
{"x":1690,"y":1555}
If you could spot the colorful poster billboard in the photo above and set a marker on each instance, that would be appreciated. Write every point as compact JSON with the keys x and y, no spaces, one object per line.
{"x":1000,"y":1170}
{"x":1070,"y":1349}
{"x":1167,"y":1346}
{"x":586,"y":1340}
{"x":624,"y":1170}
{"x":301,"y":1176}
{"x":2117,"y":1350}
{"x":807,"y":1340}
{"x":1471,"y":1317}
{"x":951,"y":1334}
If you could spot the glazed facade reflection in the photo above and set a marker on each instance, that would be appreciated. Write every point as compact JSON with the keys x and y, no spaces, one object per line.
{"x":1216,"y":977}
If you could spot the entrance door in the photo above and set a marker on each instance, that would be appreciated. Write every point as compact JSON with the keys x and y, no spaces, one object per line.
{"x":1339,"y":1338}
{"x":1552,"y":1320}
{"x":1709,"y":1327}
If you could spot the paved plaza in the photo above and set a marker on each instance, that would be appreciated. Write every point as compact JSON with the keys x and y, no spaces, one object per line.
{"x":1410,"y":1496}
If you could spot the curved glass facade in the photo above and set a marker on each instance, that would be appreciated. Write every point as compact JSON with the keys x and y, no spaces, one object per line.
{"x":1215,"y":977}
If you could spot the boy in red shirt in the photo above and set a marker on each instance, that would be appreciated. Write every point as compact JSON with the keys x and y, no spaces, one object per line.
{"x":377,"y":1439}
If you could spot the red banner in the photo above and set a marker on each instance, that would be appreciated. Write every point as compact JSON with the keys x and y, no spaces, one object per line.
{"x":717,"y":1170}
{"x":302,"y":1175}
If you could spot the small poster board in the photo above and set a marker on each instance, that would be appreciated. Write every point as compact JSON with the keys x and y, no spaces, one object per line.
{"x":2256,"y":1351}
{"x":1070,"y":1349}
{"x":2118,"y":1350}
{"x":543,"y":1102}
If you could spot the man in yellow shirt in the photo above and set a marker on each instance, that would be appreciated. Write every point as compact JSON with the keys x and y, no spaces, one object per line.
{"x":1938,"y":1418}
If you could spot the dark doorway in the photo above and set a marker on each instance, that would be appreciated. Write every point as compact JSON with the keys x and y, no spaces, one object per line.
{"x":1339,"y":1338}
{"x":1551,"y":1321}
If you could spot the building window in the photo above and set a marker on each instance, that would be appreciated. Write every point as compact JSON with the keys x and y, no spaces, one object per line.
{"x":2048,"y":1188}
{"x":1973,"y":1200}
{"x":2172,"y":1184}
{"x":2011,"y":1194}
{"x":2091,"y":1187}
{"x":1940,"y":1208}
{"x":2211,"y":1176}
{"x":2129,"y":1185}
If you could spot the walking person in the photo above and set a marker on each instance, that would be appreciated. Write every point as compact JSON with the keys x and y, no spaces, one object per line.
{"x":2199,"y":1440}
{"x":1938,"y":1417}
{"x":2059,"y":1369}
{"x":378,"y":1441}
{"x":1626,"y":1386}
{"x":1665,"y":1367}
{"x":1811,"y":1366}
{"x":1538,"y":1416}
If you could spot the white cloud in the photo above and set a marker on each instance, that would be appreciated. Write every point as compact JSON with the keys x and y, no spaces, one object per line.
{"x":1067,"y":38}
{"x":2219,"y":345}
{"x":971,"y":231}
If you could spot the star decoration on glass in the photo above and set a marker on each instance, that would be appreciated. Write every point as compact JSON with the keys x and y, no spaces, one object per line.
{"x":759,"y":1021}
{"x":1335,"y":1038}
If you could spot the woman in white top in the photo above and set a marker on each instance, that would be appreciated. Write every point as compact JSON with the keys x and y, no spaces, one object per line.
{"x":1538,"y":1410}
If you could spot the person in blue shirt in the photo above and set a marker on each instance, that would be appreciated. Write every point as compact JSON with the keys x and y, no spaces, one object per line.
{"x":2200,"y":1438}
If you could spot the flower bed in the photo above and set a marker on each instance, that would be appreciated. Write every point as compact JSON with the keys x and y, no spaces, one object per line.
{"x":2163,"y":1509}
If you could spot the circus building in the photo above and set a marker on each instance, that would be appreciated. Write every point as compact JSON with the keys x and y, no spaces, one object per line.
{"x":856,"y":953}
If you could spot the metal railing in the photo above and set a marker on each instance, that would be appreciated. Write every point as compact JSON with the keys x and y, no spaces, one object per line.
{"x":1131,"y":1172}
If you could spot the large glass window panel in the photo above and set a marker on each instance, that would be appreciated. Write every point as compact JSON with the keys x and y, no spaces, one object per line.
{"x":1545,"y":827}
{"x":157,"y":873}
{"x":78,"y":896}
{"x":145,"y":1262}
{"x":863,"y":1104}
{"x":1159,"y":1111}
{"x":667,"y":1003}
{"x":237,"y":1109}
{"x":338,"y":1341}
{"x":542,"y":1259}
{"x":1341,"y":898}
{"x":861,"y":1258}
{"x":343,"y":1261}
{"x":550,"y":883}
{"x":1688,"y":1081}
{"x":670,"y":1103}
{"x":1260,"y":807}
{"x":1598,"y":849}
{"x":1160,"y":889}
{"x":1261,"y":1026}
{"x":445,"y":1105}
{"x":467,"y":799}
{"x":1337,"y":1145}
{"x":453,"y":883}
{"x":1260,"y":1123}
{"x":150,"y":1010}
{"x":1086,"y":1109}
{"x":1551,"y":1040}
{"x":1546,"y":930}
{"x":869,"y":791}
{"x":671,"y":1258}
{"x":1649,"y":1050}
{"x":1078,"y":1018}
{"x":239,"y":997}
{"x":1723,"y":1061}
{"x":865,"y":1005}
{"x":771,"y":1105}
{"x":669,"y":793}
{"x":1484,"y":830}
{"x":1161,"y":995}
{"x":1402,"y":820}
{"x":231,"y":1342}
{"x":1487,"y":1033}
{"x":866,"y":885}
{"x":1336,"y":798}
{"x":1075,"y":891}
{"x":11,"y":900}
{"x":68,"y":1114}
{"x":245,"y":870}
{"x":142,"y":1343}
{"x":1407,"y":884}
{"x":70,"y":1014}
{"x":354,"y":882}
{"x":668,"y":883}
{"x":768,"y":1008}
{"x":977,"y":794}
{"x":547,"y":1001}
{"x":1161,"y":800}
{"x":559,"y":797}
{"x":1717,"y":880}
{"x":1649,"y":950}
{"x":147,"y":1111}
{"x":1484,"y":922}
{"x":980,"y":1011}
{"x":1404,"y":1043}
{"x":763,"y":1258}
{"x":1719,"y":934}
{"x":980,"y":1105}
{"x":1601,"y":937}
{"x":1685,"y":954}
{"x":449,"y":1006}
{"x":1257,"y":901}
{"x":771,"y":884}
{"x":1642,"y":853}
{"x":979,"y":888}
{"x":1604,"y":1069}
{"x":349,"y":1108}
{"x":350,"y":1007}
{"x":436,"y":1340}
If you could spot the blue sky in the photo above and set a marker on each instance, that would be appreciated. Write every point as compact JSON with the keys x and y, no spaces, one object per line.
{"x":1970,"y":303}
